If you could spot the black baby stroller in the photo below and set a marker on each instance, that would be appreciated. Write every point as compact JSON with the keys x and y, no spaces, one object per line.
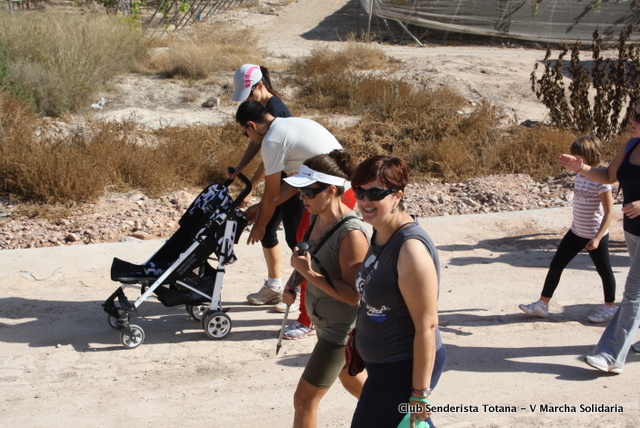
{"x":179,"y":273}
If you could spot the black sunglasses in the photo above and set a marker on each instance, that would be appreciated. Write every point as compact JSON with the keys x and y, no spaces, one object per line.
{"x":311,"y":192}
{"x":636,"y":117}
{"x":373,"y":194}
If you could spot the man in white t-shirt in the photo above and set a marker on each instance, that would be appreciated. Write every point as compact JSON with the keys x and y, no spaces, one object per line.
{"x":285,"y":144}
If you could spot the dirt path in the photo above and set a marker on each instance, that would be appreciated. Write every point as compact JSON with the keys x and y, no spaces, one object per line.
{"x":61,"y":364}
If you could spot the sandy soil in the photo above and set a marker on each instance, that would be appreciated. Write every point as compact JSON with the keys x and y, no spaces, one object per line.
{"x":62,"y":365}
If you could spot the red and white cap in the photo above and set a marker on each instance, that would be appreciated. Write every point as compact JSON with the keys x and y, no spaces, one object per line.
{"x":243,"y":79}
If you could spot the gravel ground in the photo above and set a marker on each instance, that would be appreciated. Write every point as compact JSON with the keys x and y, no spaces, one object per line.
{"x":134,"y":215}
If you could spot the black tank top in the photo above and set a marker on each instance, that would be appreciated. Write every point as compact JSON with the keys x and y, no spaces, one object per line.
{"x":628,"y":176}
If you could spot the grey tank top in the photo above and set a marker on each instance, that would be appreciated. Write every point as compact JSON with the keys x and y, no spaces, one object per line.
{"x":333,"y":319}
{"x":385,"y":329}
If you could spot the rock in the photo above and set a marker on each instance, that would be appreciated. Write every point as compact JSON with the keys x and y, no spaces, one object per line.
{"x":211,"y":102}
{"x":128,"y":239}
{"x":139,"y":234}
{"x":72,"y":237}
{"x":124,"y":214}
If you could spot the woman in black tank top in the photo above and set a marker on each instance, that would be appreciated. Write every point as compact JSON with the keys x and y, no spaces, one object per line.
{"x":611,"y":351}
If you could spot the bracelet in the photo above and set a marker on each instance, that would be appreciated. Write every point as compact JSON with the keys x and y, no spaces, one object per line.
{"x":581,"y":166}
{"x":422,"y":392}
{"x":422,"y":400}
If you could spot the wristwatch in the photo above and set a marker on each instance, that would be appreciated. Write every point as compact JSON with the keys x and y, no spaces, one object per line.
{"x":424,"y":393}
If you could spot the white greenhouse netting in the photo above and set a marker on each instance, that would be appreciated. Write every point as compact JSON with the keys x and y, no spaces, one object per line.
{"x":554,"y":21}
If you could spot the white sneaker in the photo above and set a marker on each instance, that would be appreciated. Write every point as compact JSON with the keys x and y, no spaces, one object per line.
{"x":604,"y":314}
{"x":599,"y":362}
{"x":538,"y":308}
{"x":282,"y":307}
{"x":266,"y":295}
{"x":297,"y":331}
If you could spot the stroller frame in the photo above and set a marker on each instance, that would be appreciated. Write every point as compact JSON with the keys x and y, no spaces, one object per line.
{"x":191,"y":280}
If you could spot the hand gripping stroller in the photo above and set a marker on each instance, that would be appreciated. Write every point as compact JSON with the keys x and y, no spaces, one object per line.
{"x":179,"y":273}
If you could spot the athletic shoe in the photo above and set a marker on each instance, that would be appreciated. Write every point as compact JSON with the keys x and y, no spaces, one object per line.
{"x":266,"y":296}
{"x":636,"y":347}
{"x":603,"y":314}
{"x":281,"y":307}
{"x":297,"y":331}
{"x":599,"y":362}
{"x":538,"y":308}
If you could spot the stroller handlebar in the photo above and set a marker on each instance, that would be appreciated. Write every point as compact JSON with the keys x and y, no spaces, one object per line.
{"x":245,"y":192}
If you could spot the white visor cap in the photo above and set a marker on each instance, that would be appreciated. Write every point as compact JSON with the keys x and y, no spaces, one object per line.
{"x":307,"y":176}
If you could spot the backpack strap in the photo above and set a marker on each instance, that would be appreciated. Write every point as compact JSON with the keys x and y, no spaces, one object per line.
{"x":325,"y":238}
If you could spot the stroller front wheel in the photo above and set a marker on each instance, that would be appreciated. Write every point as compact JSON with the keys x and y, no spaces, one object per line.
{"x":216,"y":324}
{"x":134,"y":339}
{"x":113,"y":321}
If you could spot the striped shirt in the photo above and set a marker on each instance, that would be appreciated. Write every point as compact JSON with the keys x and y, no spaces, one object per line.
{"x":587,"y":207}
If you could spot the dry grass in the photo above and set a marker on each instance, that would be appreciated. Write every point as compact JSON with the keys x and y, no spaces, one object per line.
{"x":57,"y":61}
{"x":352,"y":56}
{"x":112,"y":155}
{"x":204,"y":50}
{"x":427,"y":127}
{"x":334,"y":81}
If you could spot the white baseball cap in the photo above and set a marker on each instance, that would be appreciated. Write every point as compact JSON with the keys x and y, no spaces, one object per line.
{"x":243,"y":80}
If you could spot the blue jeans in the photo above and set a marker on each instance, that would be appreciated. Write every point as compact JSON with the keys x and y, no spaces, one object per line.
{"x":617,"y":337}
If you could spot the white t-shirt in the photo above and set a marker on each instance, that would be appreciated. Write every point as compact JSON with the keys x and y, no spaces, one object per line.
{"x":292,"y":140}
{"x":587,"y":206}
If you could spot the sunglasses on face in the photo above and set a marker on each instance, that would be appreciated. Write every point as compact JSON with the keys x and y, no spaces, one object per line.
{"x":373,"y":194}
{"x":253,"y":88}
{"x":311,"y":192}
{"x":636,"y":117}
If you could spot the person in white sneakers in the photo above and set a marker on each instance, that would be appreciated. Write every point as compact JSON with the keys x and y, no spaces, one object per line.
{"x":592,"y":215}
{"x":285,"y":143}
{"x":253,"y":82}
{"x":338,"y":240}
{"x":610,"y":354}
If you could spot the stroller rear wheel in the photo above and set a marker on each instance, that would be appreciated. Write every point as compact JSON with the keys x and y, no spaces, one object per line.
{"x":197,"y":311}
{"x":216,"y":324}
{"x":134,"y":339}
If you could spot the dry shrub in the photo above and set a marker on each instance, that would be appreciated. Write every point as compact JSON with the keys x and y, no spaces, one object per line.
{"x":49,"y":171}
{"x":200,"y":154}
{"x":532,"y":151}
{"x":332,"y":81}
{"x":202,"y":50}
{"x":119,"y":155}
{"x":58,"y":60}
{"x":352,"y":57}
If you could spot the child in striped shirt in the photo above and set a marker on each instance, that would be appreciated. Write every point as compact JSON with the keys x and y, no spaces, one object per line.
{"x":592,"y":215}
